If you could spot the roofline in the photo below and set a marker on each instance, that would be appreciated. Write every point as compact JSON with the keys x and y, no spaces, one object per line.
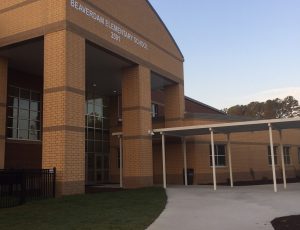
{"x":166,"y":28}
{"x":220,"y":125}
{"x":203,"y":104}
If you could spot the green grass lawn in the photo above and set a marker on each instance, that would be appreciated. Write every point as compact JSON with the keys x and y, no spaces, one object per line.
{"x":129,"y":209}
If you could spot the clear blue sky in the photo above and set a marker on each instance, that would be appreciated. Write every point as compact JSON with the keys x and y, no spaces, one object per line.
{"x":236,"y":51}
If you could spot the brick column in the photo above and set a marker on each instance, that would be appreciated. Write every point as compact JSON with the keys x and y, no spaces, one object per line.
{"x":137,"y":143}
{"x":174,"y":105}
{"x":3,"y":99}
{"x":64,"y":110}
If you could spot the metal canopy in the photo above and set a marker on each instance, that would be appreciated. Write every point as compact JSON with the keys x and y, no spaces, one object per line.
{"x":233,"y":127}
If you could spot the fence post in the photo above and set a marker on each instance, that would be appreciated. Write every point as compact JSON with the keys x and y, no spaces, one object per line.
{"x":54,"y":181}
{"x":23,"y":186}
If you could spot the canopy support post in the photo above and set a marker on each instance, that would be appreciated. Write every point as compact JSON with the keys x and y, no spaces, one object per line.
{"x":229,"y":159}
{"x":121,"y":161}
{"x":164,"y":160}
{"x":282,"y":159}
{"x":184,"y":160}
{"x":213,"y":158}
{"x":272,"y":156}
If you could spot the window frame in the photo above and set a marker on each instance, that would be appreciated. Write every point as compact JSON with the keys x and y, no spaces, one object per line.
{"x":218,"y":155}
{"x":15,"y":110}
{"x":269,"y":155}
{"x":287,"y":155}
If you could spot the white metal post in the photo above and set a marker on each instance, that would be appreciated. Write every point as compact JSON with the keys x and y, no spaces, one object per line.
{"x":272,"y":156}
{"x":213,"y":157}
{"x":121,"y":161}
{"x":164,"y":160}
{"x":184,"y":160}
{"x":229,"y":159}
{"x":282,"y":159}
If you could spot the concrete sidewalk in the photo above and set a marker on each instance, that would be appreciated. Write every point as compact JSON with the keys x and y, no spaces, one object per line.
{"x":238,"y":208}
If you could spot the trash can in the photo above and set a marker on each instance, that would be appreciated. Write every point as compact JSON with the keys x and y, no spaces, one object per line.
{"x":190,"y":176}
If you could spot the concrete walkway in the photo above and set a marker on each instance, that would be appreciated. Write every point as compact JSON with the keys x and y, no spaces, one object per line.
{"x":245,"y":208}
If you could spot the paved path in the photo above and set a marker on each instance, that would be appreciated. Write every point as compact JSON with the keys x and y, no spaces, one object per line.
{"x":238,"y":208}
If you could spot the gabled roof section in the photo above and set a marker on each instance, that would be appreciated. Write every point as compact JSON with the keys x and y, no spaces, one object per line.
{"x":166,"y":28}
{"x":141,"y":18}
{"x":204,"y":105}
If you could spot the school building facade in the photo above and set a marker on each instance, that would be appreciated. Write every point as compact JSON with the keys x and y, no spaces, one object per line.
{"x":72,"y":72}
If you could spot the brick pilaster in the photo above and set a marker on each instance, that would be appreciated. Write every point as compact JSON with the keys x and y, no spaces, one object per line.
{"x":63,"y":110}
{"x":174,"y":105}
{"x":3,"y":100}
{"x":137,"y":143}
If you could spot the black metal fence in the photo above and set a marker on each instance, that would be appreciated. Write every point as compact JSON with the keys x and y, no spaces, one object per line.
{"x":19,"y":186}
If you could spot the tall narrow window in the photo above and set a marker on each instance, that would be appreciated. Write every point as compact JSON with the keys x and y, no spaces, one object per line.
{"x":286,"y":154}
{"x":220,"y":155}
{"x":154,"y":110}
{"x":275,"y":148}
{"x":23,"y":114}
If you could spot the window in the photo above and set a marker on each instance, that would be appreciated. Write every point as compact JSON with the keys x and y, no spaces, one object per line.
{"x":275,"y":148}
{"x":220,"y":155}
{"x":286,"y":155}
{"x":154,"y":110}
{"x":23,"y":114}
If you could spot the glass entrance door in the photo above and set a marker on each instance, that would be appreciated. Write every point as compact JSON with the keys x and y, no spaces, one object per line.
{"x":97,"y":141}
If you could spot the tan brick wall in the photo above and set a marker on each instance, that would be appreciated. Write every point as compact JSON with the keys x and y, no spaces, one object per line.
{"x":27,"y":20}
{"x":174,"y":105}
{"x":4,"y":4}
{"x":64,"y":109}
{"x":3,"y":95}
{"x":137,"y":143}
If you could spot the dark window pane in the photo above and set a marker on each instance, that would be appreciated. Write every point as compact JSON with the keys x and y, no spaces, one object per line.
{"x":24,"y":104}
{"x":105,"y":124}
{"x":98,"y":134}
{"x":23,"y":124}
{"x":98,"y":123}
{"x":34,"y":135}
{"x":34,"y":116}
{"x":91,"y":161}
{"x":12,"y":123}
{"x":91,"y":135}
{"x":13,"y":101}
{"x":91,"y":146}
{"x":23,"y":134}
{"x":105,"y":147}
{"x":99,"y":162}
{"x":91,"y":121}
{"x":12,"y":133}
{"x":98,"y":146}
{"x":98,"y":110}
{"x":34,"y":125}
{"x":105,"y":111}
{"x":35,"y":106}
{"x":221,"y":161}
{"x":99,"y":102}
{"x":90,"y":108}
{"x":13,"y":91}
{"x":24,"y":114}
{"x":35,"y":96}
{"x":12,"y":112}
{"x":25,"y":94}
{"x":105,"y":135}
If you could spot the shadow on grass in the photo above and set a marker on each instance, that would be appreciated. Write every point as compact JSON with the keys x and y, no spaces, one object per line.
{"x":129,"y":209}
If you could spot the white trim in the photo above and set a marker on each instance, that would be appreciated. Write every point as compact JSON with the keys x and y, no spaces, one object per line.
{"x":232,"y":124}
